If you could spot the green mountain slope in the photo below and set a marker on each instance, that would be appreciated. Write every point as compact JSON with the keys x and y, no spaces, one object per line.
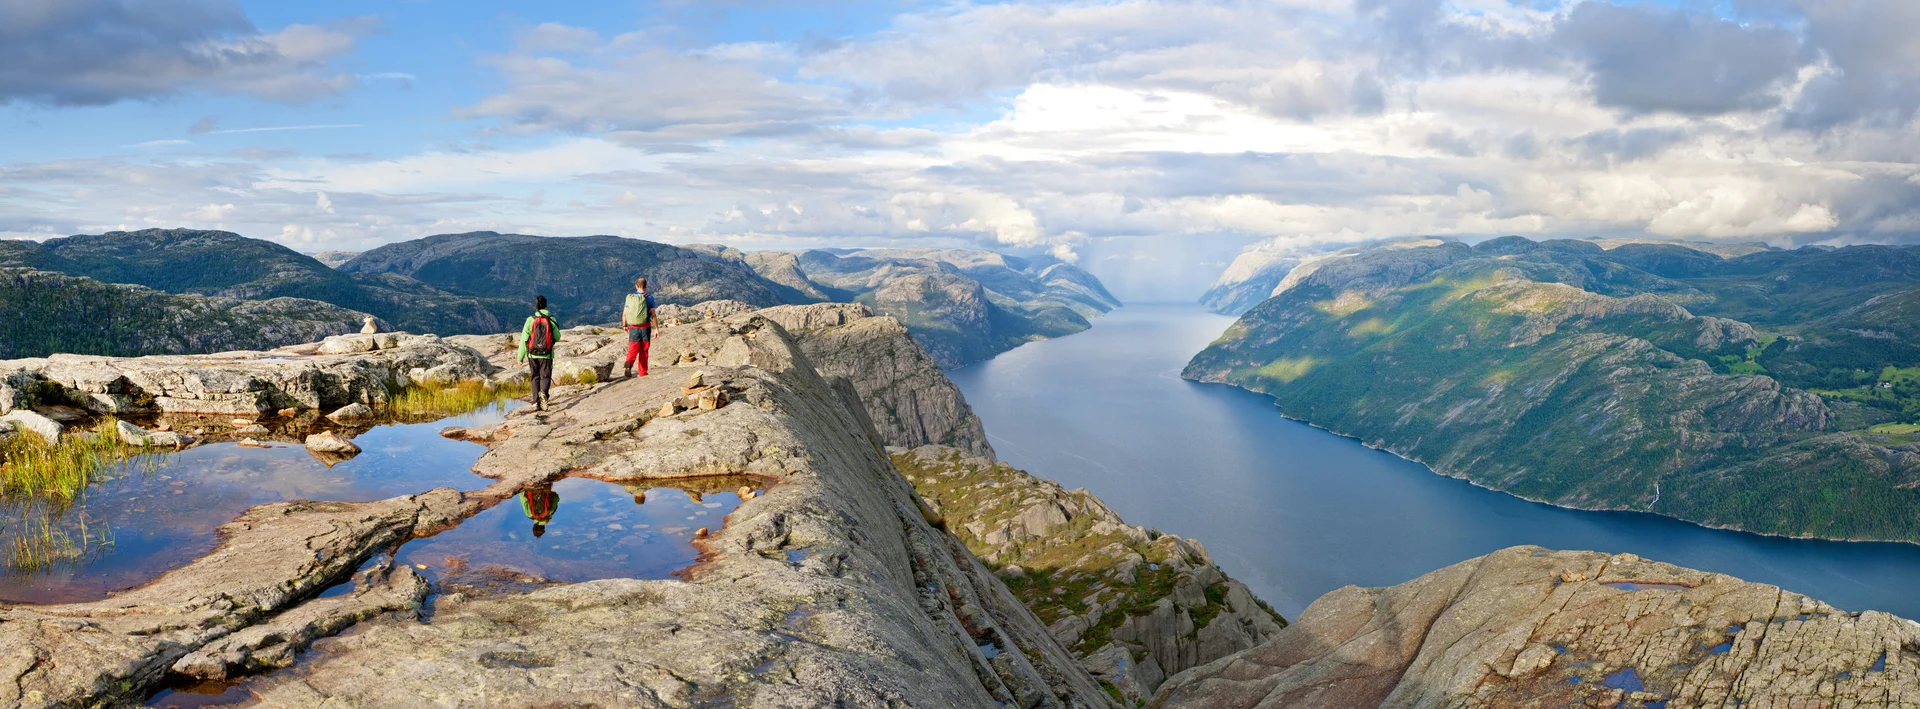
{"x":1645,"y":377}
{"x":225,"y":264}
{"x":583,"y":277}
{"x":52,"y":312}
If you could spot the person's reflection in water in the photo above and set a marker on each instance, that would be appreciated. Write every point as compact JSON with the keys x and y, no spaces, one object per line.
{"x":639,"y":493}
{"x":539,"y":503}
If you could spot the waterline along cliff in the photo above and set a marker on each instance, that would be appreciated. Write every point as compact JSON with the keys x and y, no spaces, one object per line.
{"x":857,"y":546}
{"x":1769,"y":392}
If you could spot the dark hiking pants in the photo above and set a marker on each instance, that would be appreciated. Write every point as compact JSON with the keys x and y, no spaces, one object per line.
{"x":542,"y":370}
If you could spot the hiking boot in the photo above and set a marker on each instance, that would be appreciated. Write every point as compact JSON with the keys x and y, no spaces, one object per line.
{"x":626,"y":372}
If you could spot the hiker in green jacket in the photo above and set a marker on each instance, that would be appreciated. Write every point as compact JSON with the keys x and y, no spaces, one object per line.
{"x":636,"y":317}
{"x":537,"y":338}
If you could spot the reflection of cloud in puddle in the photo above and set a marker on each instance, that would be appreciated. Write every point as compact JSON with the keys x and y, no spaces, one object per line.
{"x":166,"y":518}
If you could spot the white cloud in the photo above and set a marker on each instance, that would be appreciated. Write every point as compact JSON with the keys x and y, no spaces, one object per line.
{"x":1059,"y":125}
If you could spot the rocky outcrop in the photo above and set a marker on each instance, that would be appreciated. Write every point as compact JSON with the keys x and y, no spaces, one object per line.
{"x":834,"y":587}
{"x":337,"y":371}
{"x":1134,"y":604}
{"x":910,"y":401}
{"x":831,"y":588}
{"x":1526,"y":627}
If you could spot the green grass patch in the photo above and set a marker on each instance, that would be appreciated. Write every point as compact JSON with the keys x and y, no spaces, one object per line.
{"x":1287,"y":369}
{"x":416,"y":403}
{"x":31,"y":466}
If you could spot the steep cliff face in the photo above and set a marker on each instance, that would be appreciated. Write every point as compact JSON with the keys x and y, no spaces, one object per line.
{"x":961,"y":305}
{"x":910,"y":401}
{"x":1526,"y":627}
{"x":1247,"y":281}
{"x":1135,"y":605}
{"x":52,"y":312}
{"x":1559,"y":372}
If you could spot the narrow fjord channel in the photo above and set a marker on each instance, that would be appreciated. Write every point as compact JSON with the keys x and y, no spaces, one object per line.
{"x":1295,"y":511}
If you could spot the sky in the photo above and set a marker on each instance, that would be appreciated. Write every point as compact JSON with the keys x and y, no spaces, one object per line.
{"x":1147,"y":140}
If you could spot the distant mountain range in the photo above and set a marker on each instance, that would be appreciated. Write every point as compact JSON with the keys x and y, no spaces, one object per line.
{"x":1775,"y":391}
{"x":964,"y":305}
{"x":1255,"y":274}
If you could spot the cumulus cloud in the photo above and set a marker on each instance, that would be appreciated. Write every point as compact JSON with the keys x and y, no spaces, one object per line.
{"x":1645,"y":58}
{"x":1091,"y":127}
{"x":92,"y":52}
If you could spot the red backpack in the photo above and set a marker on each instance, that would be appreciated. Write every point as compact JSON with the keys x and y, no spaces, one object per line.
{"x":540,"y":339}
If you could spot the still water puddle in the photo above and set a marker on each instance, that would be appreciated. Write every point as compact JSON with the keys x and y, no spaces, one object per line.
{"x":574,"y":530}
{"x":153,"y":517}
{"x":580,"y":529}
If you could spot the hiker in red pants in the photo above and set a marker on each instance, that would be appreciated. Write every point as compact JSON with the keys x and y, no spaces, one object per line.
{"x":637,"y":318}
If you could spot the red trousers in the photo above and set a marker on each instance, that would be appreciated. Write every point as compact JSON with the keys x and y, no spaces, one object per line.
{"x":639,"y":351}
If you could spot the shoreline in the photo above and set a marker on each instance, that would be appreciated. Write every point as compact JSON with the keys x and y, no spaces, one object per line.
{"x":1613,"y":510}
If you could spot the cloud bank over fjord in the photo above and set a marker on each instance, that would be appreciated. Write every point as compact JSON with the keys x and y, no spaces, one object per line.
{"x":1057,"y":126}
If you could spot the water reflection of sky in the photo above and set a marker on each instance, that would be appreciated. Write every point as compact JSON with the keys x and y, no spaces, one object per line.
{"x":596,"y":531}
{"x":1295,"y":511}
{"x":165,"y":518}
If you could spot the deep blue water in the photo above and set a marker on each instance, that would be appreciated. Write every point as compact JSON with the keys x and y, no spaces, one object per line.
{"x":1295,"y":511}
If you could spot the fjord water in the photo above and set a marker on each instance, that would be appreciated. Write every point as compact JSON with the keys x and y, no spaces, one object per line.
{"x":1295,"y":511}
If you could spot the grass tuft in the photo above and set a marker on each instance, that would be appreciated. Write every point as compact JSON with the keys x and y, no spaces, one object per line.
{"x":438,"y":402}
{"x":31,"y":466}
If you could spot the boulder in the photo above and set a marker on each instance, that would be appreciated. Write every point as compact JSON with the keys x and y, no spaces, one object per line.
{"x":252,"y":429}
{"x":7,"y":432}
{"x":63,"y":414}
{"x":351,"y":412}
{"x":349,"y":344}
{"x":331,"y":442}
{"x":42,"y":426}
{"x":136,"y":436}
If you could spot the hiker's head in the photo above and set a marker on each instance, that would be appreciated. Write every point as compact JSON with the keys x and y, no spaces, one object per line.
{"x":539,"y":302}
{"x":639,"y":284}
{"x":539,"y":529}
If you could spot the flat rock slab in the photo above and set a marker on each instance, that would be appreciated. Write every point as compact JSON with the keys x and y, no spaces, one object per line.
{"x":322,"y":376}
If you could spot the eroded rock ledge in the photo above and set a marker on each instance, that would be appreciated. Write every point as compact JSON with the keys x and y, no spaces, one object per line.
{"x":1527,"y":627}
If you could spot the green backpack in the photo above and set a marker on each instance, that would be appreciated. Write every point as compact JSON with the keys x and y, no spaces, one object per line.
{"x":636,"y":313}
